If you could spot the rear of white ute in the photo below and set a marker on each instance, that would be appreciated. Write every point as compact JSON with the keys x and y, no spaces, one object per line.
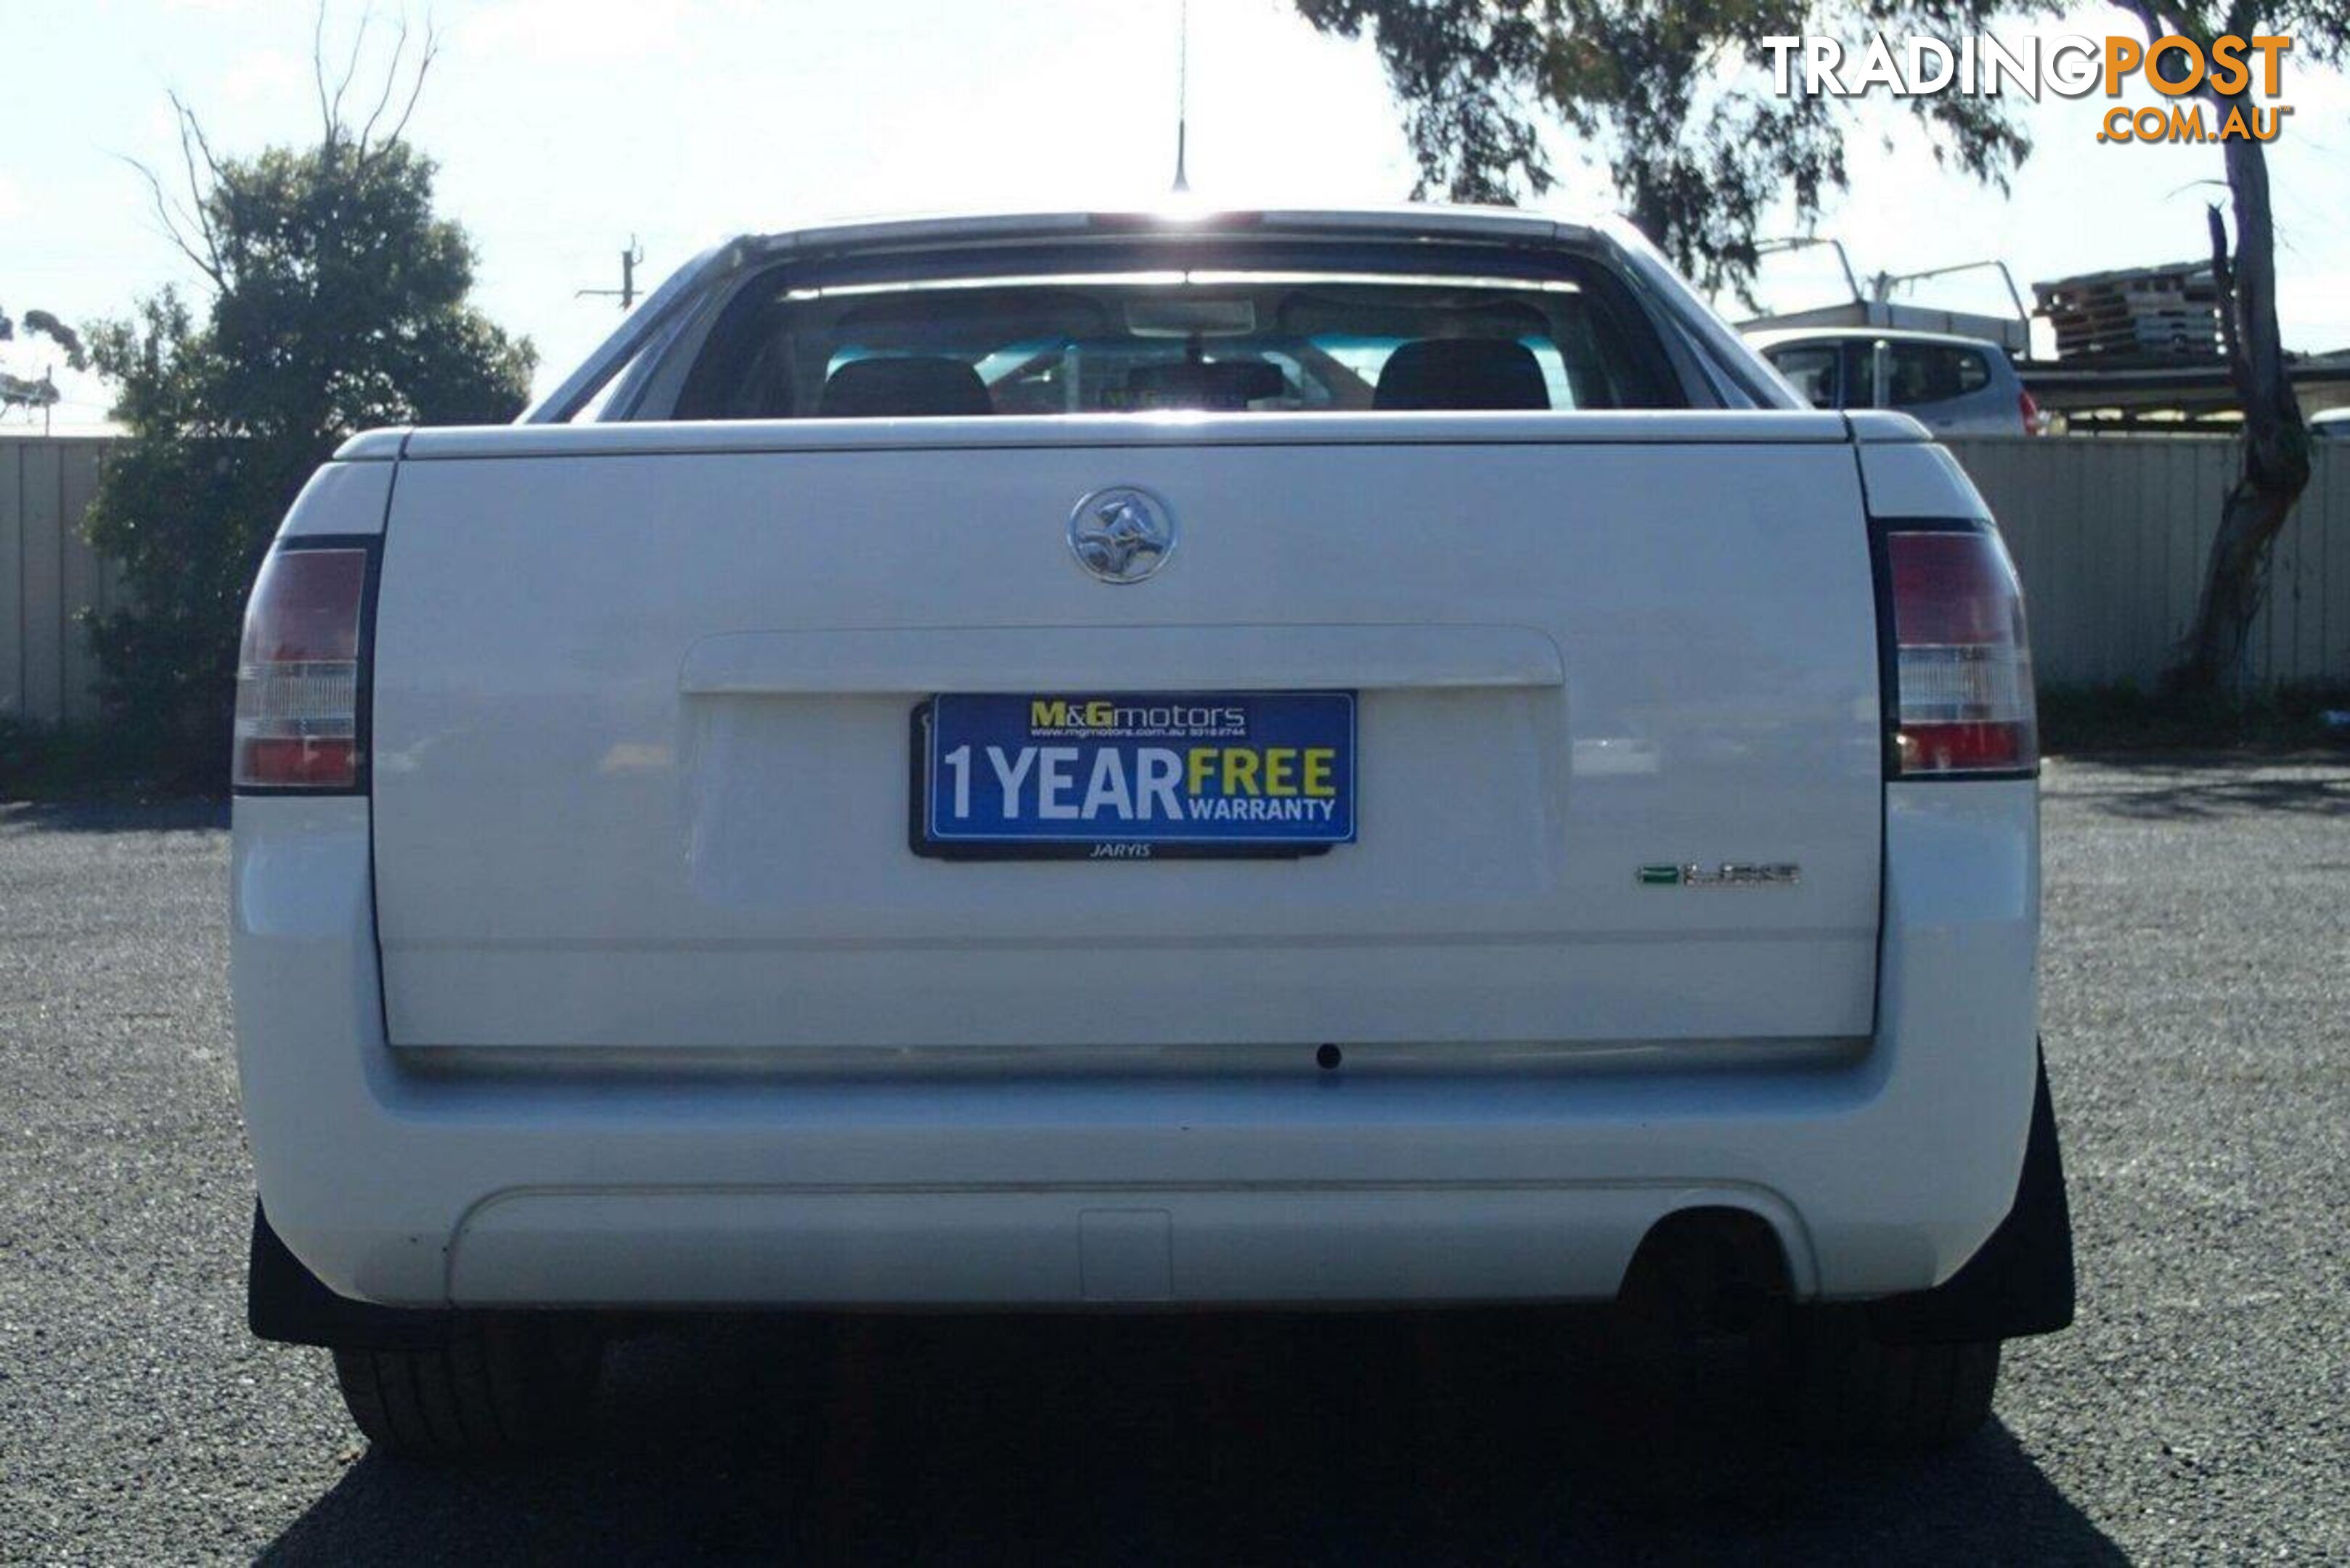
{"x":1310,"y":759}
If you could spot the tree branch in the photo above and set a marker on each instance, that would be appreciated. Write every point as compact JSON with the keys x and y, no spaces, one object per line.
{"x":350,"y":70}
{"x":318,"y":72}
{"x":2223,"y":277}
{"x":391,"y":80}
{"x":2158,"y":27}
{"x":192,"y":129}
{"x":210,"y":266}
{"x":430,"y":52}
{"x":194,"y":146}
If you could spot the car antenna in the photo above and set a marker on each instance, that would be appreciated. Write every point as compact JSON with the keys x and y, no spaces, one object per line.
{"x":1182,"y":91}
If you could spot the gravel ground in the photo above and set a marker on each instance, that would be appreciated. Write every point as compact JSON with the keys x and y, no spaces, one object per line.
{"x":2198,"y":1016}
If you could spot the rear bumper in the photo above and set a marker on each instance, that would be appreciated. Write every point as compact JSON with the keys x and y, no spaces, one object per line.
{"x":1881,"y":1174}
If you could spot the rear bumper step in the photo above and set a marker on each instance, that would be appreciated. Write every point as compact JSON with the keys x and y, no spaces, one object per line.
{"x":1127,"y":1249}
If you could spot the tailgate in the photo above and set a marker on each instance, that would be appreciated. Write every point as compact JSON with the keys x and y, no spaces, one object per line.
{"x":649,"y":741}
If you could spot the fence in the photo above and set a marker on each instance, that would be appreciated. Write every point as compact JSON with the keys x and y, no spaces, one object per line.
{"x":48,"y":572}
{"x":2110,"y":534}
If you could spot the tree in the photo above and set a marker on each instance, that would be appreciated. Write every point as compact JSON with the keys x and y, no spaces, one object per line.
{"x":332,"y":300}
{"x":1669,"y":92}
{"x":49,"y":327}
{"x":1698,"y":146}
{"x":41,"y":396}
{"x":2276,"y":439}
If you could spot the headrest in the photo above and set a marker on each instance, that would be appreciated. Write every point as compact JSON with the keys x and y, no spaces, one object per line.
{"x":913,"y":388}
{"x":1462,"y":373}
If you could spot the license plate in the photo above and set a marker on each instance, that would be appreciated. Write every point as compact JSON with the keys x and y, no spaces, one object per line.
{"x":1134,"y":775}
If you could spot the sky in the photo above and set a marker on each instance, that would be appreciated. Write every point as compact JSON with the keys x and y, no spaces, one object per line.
{"x":564,"y":127}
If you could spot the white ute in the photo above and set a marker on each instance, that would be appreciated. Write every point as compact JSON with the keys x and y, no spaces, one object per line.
{"x":1294,"y":758}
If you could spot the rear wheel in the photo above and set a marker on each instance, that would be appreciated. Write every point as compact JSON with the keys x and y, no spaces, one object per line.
{"x":495,"y":1388}
{"x":1853,"y":1389}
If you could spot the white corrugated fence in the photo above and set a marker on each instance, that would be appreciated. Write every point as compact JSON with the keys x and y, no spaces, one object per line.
{"x":2111,"y":533}
{"x":48,"y":572}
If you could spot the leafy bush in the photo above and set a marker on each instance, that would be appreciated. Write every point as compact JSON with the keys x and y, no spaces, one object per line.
{"x":337,"y":302}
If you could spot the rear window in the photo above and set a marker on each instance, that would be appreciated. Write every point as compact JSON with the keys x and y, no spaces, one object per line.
{"x":1226,"y":341}
{"x":1932,"y":373}
{"x":1812,"y":371}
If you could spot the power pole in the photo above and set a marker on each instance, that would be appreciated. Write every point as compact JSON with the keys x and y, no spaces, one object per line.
{"x":630,"y":259}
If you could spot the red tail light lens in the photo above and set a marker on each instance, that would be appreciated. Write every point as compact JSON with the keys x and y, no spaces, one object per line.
{"x":2030,"y":410}
{"x":1962,"y":698}
{"x":297,"y":672}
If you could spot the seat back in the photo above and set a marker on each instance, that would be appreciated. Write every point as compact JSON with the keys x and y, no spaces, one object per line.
{"x":916,"y":387}
{"x":1462,"y":373}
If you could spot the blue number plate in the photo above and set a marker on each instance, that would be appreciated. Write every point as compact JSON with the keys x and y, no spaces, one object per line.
{"x":1130,"y":776}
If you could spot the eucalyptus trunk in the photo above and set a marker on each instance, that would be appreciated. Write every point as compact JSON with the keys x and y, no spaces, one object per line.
{"x":2276,"y":442}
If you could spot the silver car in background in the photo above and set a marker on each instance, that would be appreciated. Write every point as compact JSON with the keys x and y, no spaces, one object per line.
{"x":1953,"y":386}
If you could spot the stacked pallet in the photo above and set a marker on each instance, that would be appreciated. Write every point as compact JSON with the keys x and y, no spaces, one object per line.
{"x":2135,"y":315}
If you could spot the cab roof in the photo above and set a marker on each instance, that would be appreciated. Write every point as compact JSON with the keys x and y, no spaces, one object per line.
{"x":1416,"y":220}
{"x":1780,"y":337}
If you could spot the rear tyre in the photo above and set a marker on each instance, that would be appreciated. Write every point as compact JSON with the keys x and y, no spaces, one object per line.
{"x":1854,"y":1390}
{"x":496,"y":1389}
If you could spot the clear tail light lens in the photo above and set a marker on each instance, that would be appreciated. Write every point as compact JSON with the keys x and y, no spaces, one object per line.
{"x":1962,"y":699}
{"x":297,"y":672}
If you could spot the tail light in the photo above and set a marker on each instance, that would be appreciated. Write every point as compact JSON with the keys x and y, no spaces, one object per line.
{"x":299,"y":685}
{"x":1961,"y":700}
{"x":2030,"y":407}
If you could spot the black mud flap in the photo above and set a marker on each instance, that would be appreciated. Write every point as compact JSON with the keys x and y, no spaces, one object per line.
{"x":2021,"y":1281}
{"x":286,"y":1303}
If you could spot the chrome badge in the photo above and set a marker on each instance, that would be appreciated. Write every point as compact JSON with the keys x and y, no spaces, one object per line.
{"x":1121,"y":534}
{"x":1728,"y":874}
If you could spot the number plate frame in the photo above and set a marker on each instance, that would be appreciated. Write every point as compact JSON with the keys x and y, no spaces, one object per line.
{"x":1234,"y":843}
